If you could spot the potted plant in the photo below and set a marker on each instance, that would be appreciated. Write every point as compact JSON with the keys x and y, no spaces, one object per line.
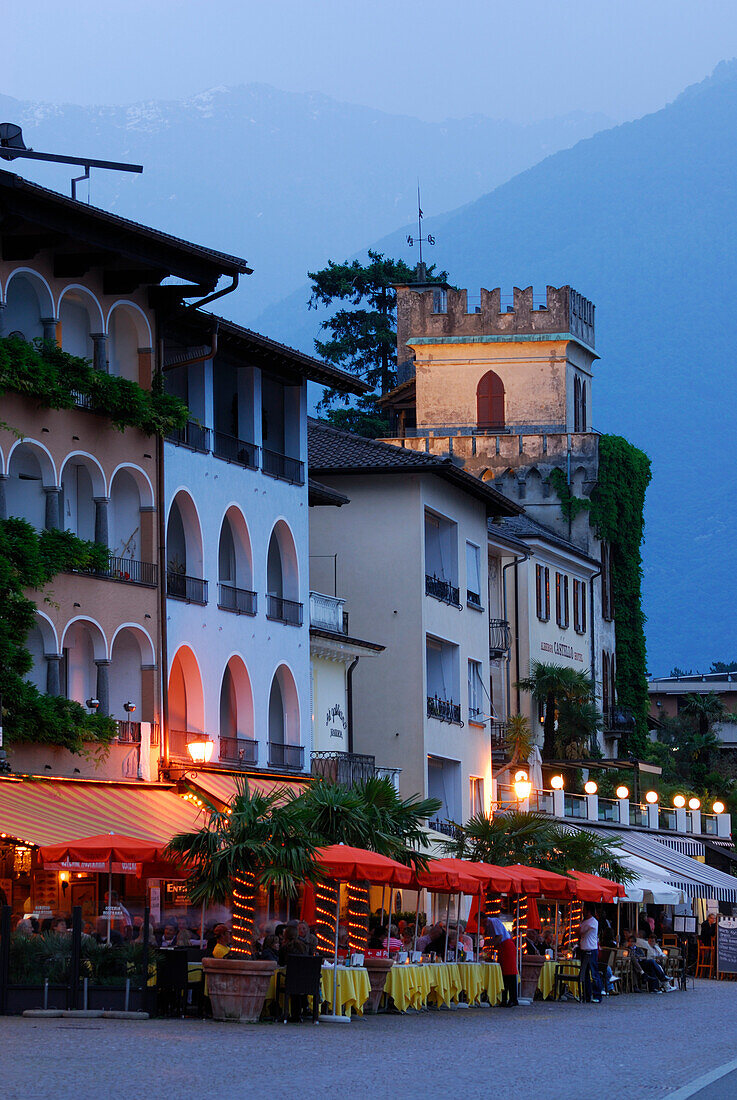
{"x":258,"y":840}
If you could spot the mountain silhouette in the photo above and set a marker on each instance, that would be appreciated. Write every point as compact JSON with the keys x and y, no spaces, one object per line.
{"x":642,"y":219}
{"x":285,"y":179}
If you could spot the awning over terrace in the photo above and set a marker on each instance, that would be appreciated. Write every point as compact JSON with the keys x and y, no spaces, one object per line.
{"x":693,"y":879}
{"x":51,"y":811}
{"x":220,"y":787}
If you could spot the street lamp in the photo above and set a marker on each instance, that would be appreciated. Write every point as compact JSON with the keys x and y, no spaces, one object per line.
{"x":557,"y":782}
{"x":623,"y":792}
{"x":200,"y":749}
{"x":590,"y":787}
{"x":129,"y":707}
{"x":718,"y":807}
{"x":679,"y":801}
{"x":651,"y":797}
{"x":694,"y":803}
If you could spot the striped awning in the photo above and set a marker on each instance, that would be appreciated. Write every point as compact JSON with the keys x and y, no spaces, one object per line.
{"x":694,"y":879}
{"x":220,"y":787}
{"x":51,"y":811}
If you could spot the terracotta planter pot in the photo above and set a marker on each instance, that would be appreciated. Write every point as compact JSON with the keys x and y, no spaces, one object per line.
{"x":530,"y":976}
{"x":377,"y":972}
{"x":237,"y":987}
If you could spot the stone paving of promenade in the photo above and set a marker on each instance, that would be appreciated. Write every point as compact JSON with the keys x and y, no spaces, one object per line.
{"x":629,"y":1046}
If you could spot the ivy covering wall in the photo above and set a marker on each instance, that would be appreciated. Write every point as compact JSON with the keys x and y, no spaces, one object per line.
{"x":57,"y":379}
{"x":616,"y":512}
{"x":29,"y":560}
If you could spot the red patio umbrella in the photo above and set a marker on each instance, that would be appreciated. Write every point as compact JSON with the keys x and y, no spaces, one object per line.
{"x":346,"y":864}
{"x":594,"y":888}
{"x":538,"y":882}
{"x":442,"y":875}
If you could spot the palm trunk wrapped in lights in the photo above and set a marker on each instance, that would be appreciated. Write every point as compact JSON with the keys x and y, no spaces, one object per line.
{"x":358,"y":914}
{"x":244,"y":910}
{"x":326,"y":899}
{"x":575,"y":916}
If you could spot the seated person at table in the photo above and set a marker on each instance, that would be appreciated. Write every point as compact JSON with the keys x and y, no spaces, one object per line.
{"x":437,"y":943}
{"x":101,"y":932}
{"x":307,"y":938}
{"x":464,"y":938}
{"x":393,"y":941}
{"x":168,"y":936}
{"x":547,"y":941}
{"x":269,"y":949}
{"x":221,"y":944}
{"x":652,"y":971}
{"x":709,"y":930}
{"x":184,"y":936}
{"x":376,"y":939}
{"x":425,"y":936}
{"x":507,"y":950}
{"x":290,"y":944}
{"x":344,"y":942}
{"x":59,"y":926}
{"x":534,"y":942}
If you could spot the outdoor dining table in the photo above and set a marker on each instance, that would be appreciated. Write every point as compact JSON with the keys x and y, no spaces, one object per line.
{"x":354,"y":988}
{"x":411,"y":986}
{"x":546,"y":982}
{"x":408,"y":986}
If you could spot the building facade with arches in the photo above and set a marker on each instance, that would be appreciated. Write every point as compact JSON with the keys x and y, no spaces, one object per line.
{"x":237,"y":547}
{"x":89,"y":282}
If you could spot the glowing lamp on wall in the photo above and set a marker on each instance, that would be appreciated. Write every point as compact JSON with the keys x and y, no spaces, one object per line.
{"x":522,"y":786}
{"x":200,"y":750}
{"x":651,"y":797}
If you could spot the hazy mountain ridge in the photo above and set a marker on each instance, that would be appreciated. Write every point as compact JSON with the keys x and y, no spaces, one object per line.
{"x":642,"y":219}
{"x":287,"y":180}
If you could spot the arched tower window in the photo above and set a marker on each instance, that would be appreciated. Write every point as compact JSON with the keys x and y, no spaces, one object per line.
{"x":490,"y":401}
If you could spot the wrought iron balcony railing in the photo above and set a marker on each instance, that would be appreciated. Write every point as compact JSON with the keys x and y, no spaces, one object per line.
{"x":238,"y":751}
{"x":347,"y":768}
{"x":181,"y":587}
{"x":286,"y":756}
{"x":237,"y":451}
{"x":442,"y":590}
{"x":283,"y":467}
{"x":126,"y":569}
{"x":192,"y":435}
{"x":445,"y":710}
{"x":441,"y":825}
{"x":239,"y":600}
{"x":284,"y":611}
{"x":500,"y":637}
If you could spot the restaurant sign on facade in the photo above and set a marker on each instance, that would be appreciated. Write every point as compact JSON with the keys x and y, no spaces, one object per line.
{"x":560,"y":649}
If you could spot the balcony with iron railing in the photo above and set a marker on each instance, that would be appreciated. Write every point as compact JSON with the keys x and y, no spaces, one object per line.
{"x":238,"y":751}
{"x":236,"y":451}
{"x":241,"y":601}
{"x":286,"y":756}
{"x":192,"y":435}
{"x":500,"y":638}
{"x":327,"y":613}
{"x":283,"y":467}
{"x":127,"y":570}
{"x":178,"y":741}
{"x":442,"y":590}
{"x":442,"y":825}
{"x":181,"y":587}
{"x":280,"y":610}
{"x":346,"y":768}
{"x":445,"y":710}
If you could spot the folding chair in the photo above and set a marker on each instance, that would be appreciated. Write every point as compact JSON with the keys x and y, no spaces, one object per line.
{"x":302,"y":978}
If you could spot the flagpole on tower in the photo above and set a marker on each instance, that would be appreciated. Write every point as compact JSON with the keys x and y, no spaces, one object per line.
{"x":429,"y":239}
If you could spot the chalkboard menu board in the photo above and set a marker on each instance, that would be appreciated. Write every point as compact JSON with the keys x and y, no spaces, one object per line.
{"x":727,"y":945}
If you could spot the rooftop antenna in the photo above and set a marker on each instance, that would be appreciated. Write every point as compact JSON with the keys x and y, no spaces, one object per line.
{"x":12,"y":147}
{"x":429,"y":239}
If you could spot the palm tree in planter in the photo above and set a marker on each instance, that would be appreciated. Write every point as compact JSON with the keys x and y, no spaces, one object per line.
{"x":552,"y":684}
{"x":260,"y":840}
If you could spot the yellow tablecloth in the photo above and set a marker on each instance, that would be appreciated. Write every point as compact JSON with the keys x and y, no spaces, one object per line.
{"x":445,"y":982}
{"x":354,"y":988}
{"x":493,"y":982}
{"x":547,"y":976}
{"x":408,"y":986}
{"x":472,"y":980}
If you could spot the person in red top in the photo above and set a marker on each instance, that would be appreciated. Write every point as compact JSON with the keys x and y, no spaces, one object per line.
{"x":393,"y":941}
{"x":507,"y":950}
